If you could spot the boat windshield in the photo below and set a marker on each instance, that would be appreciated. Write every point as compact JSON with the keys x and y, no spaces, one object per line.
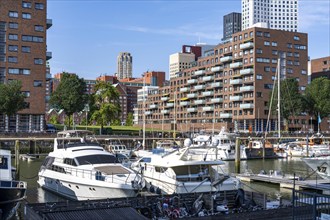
{"x":96,"y":159}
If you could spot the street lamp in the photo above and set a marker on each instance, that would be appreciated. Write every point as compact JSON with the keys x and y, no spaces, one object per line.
{"x":86,"y":111}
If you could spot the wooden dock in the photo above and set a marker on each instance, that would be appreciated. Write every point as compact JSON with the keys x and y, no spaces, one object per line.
{"x":320,"y":185}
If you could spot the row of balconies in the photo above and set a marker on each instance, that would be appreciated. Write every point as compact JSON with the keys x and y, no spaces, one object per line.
{"x":199,"y":87}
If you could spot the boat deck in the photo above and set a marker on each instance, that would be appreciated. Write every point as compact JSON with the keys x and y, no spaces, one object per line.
{"x":110,"y":170}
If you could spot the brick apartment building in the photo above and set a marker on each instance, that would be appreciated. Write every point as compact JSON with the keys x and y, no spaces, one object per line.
{"x":23,"y":57}
{"x":320,"y":67}
{"x":232,"y":85}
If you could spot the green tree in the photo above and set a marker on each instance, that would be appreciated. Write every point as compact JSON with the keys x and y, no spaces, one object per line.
{"x":106,"y":103}
{"x":316,"y":97}
{"x":290,"y":99}
{"x":11,"y":98}
{"x":53,"y":119}
{"x":129,"y":119}
{"x":69,"y":95}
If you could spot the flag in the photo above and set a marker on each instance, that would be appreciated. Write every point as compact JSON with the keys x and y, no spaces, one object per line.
{"x":319,"y":119}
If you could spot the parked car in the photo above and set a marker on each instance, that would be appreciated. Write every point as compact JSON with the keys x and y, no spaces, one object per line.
{"x":50,"y":128}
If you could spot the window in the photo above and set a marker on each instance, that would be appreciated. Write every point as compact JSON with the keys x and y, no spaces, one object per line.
{"x":268,"y":86}
{"x":296,"y":54}
{"x":262,"y":60}
{"x":39,"y":28}
{"x":26,"y":49}
{"x":38,"y":61}
{"x":296,"y":38}
{"x":259,"y":33}
{"x":13,"y":14}
{"x":274,"y":44}
{"x":289,"y":45}
{"x":300,"y":47}
{"x":26,"y":71}
{"x":13,"y":48}
{"x":304,"y":72}
{"x":289,"y":54}
{"x":259,"y":76}
{"x":266,"y":34}
{"x":26,"y":15}
{"x":12,"y":59}
{"x":26,"y":93}
{"x":274,"y":60}
{"x":289,"y":70}
{"x":274,"y":52}
{"x":30,"y":38}
{"x":37,"y":83}
{"x":266,"y":43}
{"x":13,"y":25}
{"x":13,"y":71}
{"x":39,"y":6}
{"x":266,"y":68}
{"x":26,"y":4}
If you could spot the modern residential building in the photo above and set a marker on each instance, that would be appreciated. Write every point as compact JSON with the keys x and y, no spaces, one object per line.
{"x":231,"y":24}
{"x":124,"y":65}
{"x":183,"y":60}
{"x":274,"y":14}
{"x":320,"y":67}
{"x":23,"y":57}
{"x":231,"y":87}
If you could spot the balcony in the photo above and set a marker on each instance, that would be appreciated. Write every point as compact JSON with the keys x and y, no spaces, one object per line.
{"x":49,"y":23}
{"x":147,"y":113}
{"x":236,"y":65}
{"x":192,"y":109}
{"x":207,"y":78}
{"x":153,"y":106}
{"x":199,"y":72}
{"x":216,"y":84}
{"x":236,"y":81}
{"x":48,"y":76}
{"x":199,"y":102}
{"x":192,"y":95}
{"x":185,"y":89}
{"x":245,"y":46}
{"x":226,"y":115}
{"x":164,"y":98}
{"x":165,"y":111}
{"x":184,"y":103}
{"x":170,"y":104}
{"x":49,"y":55}
{"x":246,"y":106}
{"x":192,"y":81}
{"x":246,"y":89}
{"x":236,"y":98}
{"x":226,"y":59}
{"x":246,"y":71}
{"x":207,"y":109}
{"x":199,"y":87}
{"x":216,"y":100}
{"x":216,"y":69}
{"x":208,"y":93}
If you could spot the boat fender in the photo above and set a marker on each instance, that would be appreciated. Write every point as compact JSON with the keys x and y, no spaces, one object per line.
{"x":21,"y":185}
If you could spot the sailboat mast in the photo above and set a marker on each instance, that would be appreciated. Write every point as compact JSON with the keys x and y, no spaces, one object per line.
{"x":278,"y":96}
{"x":144,"y":114}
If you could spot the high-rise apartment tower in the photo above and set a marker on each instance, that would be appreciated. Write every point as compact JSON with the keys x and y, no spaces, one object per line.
{"x":23,"y":57}
{"x":231,"y":24}
{"x":124,"y":65}
{"x":274,"y":14}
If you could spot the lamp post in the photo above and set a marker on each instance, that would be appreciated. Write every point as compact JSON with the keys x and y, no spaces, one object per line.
{"x":86,"y":111}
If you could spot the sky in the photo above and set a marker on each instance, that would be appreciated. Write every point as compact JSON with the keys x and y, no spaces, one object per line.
{"x":87,"y":35}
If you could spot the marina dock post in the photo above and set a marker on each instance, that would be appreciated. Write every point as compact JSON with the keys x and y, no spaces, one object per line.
{"x":237,"y":155}
{"x":17,"y":157}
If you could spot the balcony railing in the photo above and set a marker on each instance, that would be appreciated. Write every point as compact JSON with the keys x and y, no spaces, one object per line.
{"x":199,"y":72}
{"x":245,"y":46}
{"x":192,"y":95}
{"x":192,"y":81}
{"x":199,"y":102}
{"x":184,"y":103}
{"x":208,"y":93}
{"x":236,"y":65}
{"x":165,"y":111}
{"x":207,"y":109}
{"x":153,"y":106}
{"x":246,"y":89}
{"x":216,"y":84}
{"x":246,"y":105}
{"x":226,"y":59}
{"x":226,"y":115}
{"x":217,"y":100}
{"x":192,"y":109}
{"x":185,"y":89}
{"x":199,"y":87}
{"x":170,"y":104}
{"x":236,"y":98}
{"x":246,"y":71}
{"x":147,"y":113}
{"x":207,"y":78}
{"x":236,"y":81}
{"x":217,"y":69}
{"x":164,"y":98}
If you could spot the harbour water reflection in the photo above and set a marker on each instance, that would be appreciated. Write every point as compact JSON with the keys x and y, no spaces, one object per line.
{"x":29,"y":173}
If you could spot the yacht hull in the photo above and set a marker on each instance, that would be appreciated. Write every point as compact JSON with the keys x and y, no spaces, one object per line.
{"x":257,"y":153}
{"x":320,"y":164}
{"x":85,"y":191}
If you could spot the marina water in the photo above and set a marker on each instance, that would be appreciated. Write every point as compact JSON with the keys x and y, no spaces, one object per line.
{"x":29,"y":172}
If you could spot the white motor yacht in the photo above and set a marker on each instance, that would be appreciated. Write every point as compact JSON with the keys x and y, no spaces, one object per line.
{"x":183,"y":172}
{"x":319,"y":164}
{"x":81,"y":169}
